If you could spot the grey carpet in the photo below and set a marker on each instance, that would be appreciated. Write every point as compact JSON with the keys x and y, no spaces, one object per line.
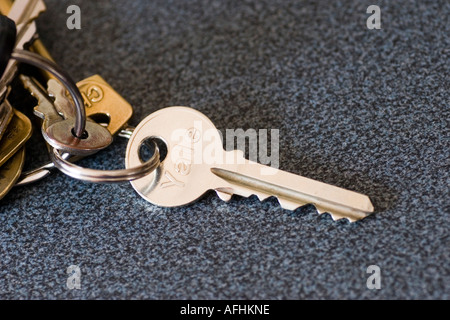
{"x":366,"y":110}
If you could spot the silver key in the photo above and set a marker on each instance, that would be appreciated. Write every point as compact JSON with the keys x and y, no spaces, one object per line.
{"x":58,"y":131}
{"x":35,"y":175}
{"x":196,"y":163}
{"x":42,"y":172}
{"x":62,"y":104}
{"x":23,"y":13}
{"x":119,"y":112}
{"x":45,"y":170}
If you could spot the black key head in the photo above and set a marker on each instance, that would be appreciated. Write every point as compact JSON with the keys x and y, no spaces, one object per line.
{"x":7,"y":41}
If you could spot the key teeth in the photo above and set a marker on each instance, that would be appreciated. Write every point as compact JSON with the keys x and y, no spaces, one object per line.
{"x":289,"y":205}
{"x":335,"y":216}
{"x":262,"y":197}
{"x":226,"y":195}
{"x":61,"y":102}
{"x":54,"y":88}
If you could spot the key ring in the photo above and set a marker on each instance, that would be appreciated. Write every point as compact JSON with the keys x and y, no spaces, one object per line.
{"x":40,"y":62}
{"x":66,"y":167}
{"x":102,"y":176}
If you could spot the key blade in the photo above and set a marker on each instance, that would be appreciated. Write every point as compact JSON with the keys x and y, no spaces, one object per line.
{"x":34,"y":176}
{"x":6,"y":115}
{"x":45,"y":109}
{"x":25,"y":11}
{"x":27,"y":35}
{"x":293,"y":191}
{"x":62,"y":103}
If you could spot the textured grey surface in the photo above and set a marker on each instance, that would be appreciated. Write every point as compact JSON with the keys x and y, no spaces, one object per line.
{"x":366,"y":110}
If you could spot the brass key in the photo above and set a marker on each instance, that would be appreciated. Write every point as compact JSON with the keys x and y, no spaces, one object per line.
{"x":10,"y":172}
{"x":102,"y":102}
{"x":6,"y":115}
{"x":19,"y":131}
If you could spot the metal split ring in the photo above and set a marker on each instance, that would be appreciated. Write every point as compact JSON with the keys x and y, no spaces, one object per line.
{"x":68,"y":168}
{"x":40,"y":62}
{"x":102,"y":176}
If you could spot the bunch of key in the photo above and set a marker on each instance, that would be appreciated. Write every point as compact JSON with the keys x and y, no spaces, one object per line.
{"x":15,"y":127}
{"x":54,"y":106}
{"x":181,"y":177}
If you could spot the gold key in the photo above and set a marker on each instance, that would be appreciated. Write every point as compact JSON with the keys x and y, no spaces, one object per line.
{"x":10,"y":172}
{"x":5,"y":6}
{"x":103,"y":104}
{"x":19,"y":131}
{"x":6,"y":115}
{"x":102,"y":100}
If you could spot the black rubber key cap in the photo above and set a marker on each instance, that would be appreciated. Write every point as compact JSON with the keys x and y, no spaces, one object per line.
{"x":7,"y":41}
